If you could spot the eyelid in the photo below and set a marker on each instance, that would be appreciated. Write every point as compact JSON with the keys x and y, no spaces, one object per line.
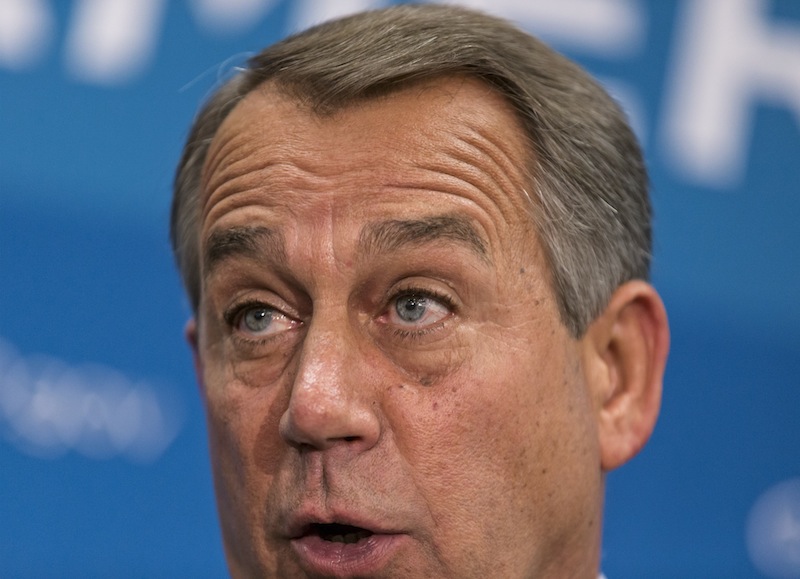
{"x":412,"y":329}
{"x":233,"y":315}
{"x":419,"y":289}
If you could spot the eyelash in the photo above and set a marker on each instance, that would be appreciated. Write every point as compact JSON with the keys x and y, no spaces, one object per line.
{"x":428,"y":293}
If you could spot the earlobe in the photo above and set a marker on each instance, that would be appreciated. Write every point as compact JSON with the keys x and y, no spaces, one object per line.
{"x":625,"y":352}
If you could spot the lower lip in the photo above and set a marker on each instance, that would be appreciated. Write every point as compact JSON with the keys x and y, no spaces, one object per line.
{"x":366,"y":557}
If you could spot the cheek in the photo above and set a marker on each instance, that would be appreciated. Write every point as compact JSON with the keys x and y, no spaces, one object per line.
{"x":245,"y":449}
{"x":243,"y":426}
{"x":495,"y":449}
{"x":243,"y":400}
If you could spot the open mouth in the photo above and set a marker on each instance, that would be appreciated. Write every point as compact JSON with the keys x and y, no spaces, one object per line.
{"x":338,"y":533}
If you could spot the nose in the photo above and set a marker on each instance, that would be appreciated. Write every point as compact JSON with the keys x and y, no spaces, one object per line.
{"x":332,"y":401}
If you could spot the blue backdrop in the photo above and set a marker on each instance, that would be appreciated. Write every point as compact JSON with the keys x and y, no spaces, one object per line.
{"x":103,"y":467}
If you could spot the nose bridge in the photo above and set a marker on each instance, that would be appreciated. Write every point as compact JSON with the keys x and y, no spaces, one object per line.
{"x":330,"y":401}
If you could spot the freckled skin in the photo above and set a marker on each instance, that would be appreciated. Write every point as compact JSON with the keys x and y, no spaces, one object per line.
{"x":477,"y":438}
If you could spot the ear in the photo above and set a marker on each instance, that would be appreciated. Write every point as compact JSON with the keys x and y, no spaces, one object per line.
{"x":624,"y":354}
{"x":191,"y":334}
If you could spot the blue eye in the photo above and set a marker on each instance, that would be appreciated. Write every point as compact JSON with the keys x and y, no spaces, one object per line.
{"x":257,"y":320}
{"x":418,"y":309}
{"x":411,"y":308}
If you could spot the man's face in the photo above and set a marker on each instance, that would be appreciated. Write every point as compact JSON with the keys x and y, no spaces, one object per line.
{"x":389,"y":388}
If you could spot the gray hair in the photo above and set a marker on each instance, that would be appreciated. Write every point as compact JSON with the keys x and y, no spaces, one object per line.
{"x":588,"y":191}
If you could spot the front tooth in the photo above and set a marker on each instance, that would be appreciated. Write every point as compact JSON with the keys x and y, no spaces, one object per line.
{"x":338,"y":539}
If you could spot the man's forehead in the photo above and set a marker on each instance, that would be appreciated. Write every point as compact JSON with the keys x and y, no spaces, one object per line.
{"x":451,"y":135}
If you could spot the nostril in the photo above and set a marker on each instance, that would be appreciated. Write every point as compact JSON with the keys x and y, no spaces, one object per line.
{"x":320,"y":421}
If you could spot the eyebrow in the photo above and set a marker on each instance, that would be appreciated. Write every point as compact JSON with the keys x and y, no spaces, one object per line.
{"x":387,"y":236}
{"x":245,"y":241}
{"x":254,"y":242}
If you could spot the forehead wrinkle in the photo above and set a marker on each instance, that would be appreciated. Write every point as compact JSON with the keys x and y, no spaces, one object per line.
{"x":251,"y":242}
{"x":510,"y":154}
{"x":226,"y":142}
{"x":487,"y":166}
{"x":235,"y":146}
{"x":494,"y":163}
{"x":238,"y":174}
{"x":235,"y":185}
{"x":391,"y":235}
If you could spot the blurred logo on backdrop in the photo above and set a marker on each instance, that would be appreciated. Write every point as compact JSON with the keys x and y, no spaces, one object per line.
{"x":49,"y":408}
{"x":773,"y":530}
{"x":728,"y":56}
